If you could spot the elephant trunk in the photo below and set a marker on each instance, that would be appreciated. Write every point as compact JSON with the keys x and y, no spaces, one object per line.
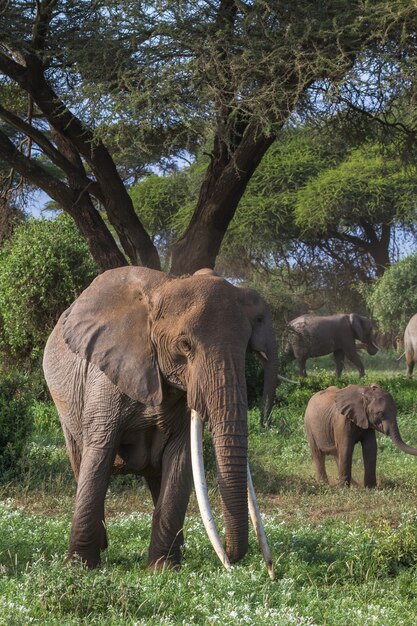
{"x":396,"y":439}
{"x":372,"y":348}
{"x":230,"y":439}
{"x":270,"y":365}
{"x":224,"y":407}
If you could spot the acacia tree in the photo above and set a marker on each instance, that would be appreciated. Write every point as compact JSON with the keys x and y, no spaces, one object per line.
{"x":172,"y":73}
{"x":361,"y":202}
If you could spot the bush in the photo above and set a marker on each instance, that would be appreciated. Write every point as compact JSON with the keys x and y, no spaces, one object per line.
{"x":15,"y":421}
{"x":254,"y":380}
{"x":393,"y":300}
{"x":43,"y":268}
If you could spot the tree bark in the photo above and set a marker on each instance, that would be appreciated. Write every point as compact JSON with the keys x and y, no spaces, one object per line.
{"x":134,"y":239}
{"x":376,"y":246}
{"x":89,"y":221}
{"x":223,"y":187}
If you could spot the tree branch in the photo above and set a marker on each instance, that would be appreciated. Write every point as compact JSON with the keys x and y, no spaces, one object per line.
{"x":50,"y":151}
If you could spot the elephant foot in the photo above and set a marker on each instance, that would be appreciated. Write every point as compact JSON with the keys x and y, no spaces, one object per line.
{"x":104,"y":544}
{"x":87,"y":561}
{"x":162,"y":564}
{"x":344,"y":482}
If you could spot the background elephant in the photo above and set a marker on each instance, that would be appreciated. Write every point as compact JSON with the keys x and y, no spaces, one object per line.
{"x":336,"y":419}
{"x":410,"y":344}
{"x":312,"y":335}
{"x":125,"y":364}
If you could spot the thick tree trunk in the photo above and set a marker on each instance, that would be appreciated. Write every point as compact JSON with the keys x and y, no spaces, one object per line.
{"x":379,"y":250}
{"x":98,"y":237}
{"x":225,"y":183}
{"x":81,"y":144}
{"x":78,"y":204}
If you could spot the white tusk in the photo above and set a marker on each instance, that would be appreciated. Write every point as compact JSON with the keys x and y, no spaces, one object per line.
{"x":201,"y":488}
{"x":263,"y":355}
{"x":288,"y":380}
{"x":255,"y":516}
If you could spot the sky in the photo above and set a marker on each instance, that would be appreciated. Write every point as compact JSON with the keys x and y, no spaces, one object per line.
{"x":36,"y":202}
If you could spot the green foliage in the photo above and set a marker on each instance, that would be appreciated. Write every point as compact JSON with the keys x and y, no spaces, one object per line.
{"x":15,"y":422}
{"x":254,"y":380}
{"x":341,"y":556}
{"x":264,"y":222}
{"x":43,"y":268}
{"x":165,"y":204}
{"x":366,"y":185}
{"x":393,"y":299}
{"x":45,"y":418}
{"x":156,"y":200}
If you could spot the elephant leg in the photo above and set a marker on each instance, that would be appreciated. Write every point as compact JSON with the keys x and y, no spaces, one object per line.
{"x":75,"y":457}
{"x":319,"y":459}
{"x":339,"y":357}
{"x":369,"y":452}
{"x":154,"y":484}
{"x":73,"y":450}
{"x":168,"y":518}
{"x":410,"y":364}
{"x":354,"y":358}
{"x":88,"y":533}
{"x":302,"y":367}
{"x":344,"y":463}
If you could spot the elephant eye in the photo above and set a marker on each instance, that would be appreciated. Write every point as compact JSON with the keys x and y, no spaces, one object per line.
{"x":260,"y":318}
{"x":378,"y":422}
{"x":184,"y":345}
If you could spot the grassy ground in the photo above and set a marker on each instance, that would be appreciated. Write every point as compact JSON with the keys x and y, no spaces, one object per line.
{"x":342,"y":556}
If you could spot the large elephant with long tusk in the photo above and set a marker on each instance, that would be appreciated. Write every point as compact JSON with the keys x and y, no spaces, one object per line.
{"x":136,"y":367}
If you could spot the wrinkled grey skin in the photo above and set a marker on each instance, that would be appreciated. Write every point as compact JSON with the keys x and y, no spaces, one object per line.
{"x":410,"y":344}
{"x":313,"y":335}
{"x":125,"y":364}
{"x":337,"y":419}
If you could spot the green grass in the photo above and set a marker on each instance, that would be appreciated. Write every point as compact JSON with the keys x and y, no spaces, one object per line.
{"x":342,"y":556}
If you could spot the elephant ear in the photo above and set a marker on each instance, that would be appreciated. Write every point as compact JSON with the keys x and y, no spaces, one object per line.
{"x":357,"y":326}
{"x":351,"y":403}
{"x":108,"y":325}
{"x":260,"y":319}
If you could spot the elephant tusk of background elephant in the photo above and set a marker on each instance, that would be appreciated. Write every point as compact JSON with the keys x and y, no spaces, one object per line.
{"x":375,"y":345}
{"x":255,"y":516}
{"x":288,"y":380}
{"x":201,"y":488}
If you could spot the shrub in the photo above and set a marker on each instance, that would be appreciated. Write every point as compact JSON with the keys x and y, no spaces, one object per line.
{"x":393,"y":300}
{"x":43,"y":268}
{"x":254,"y":380}
{"x":15,"y":421}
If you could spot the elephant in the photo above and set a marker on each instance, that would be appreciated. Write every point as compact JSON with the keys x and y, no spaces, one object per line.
{"x":136,"y":366}
{"x":336,"y":419}
{"x":313,"y":335}
{"x":410,"y":345}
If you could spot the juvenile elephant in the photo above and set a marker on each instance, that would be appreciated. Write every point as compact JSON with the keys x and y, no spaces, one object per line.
{"x":138,"y":362}
{"x":314,"y":335}
{"x":410,"y":344}
{"x":336,"y":419}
